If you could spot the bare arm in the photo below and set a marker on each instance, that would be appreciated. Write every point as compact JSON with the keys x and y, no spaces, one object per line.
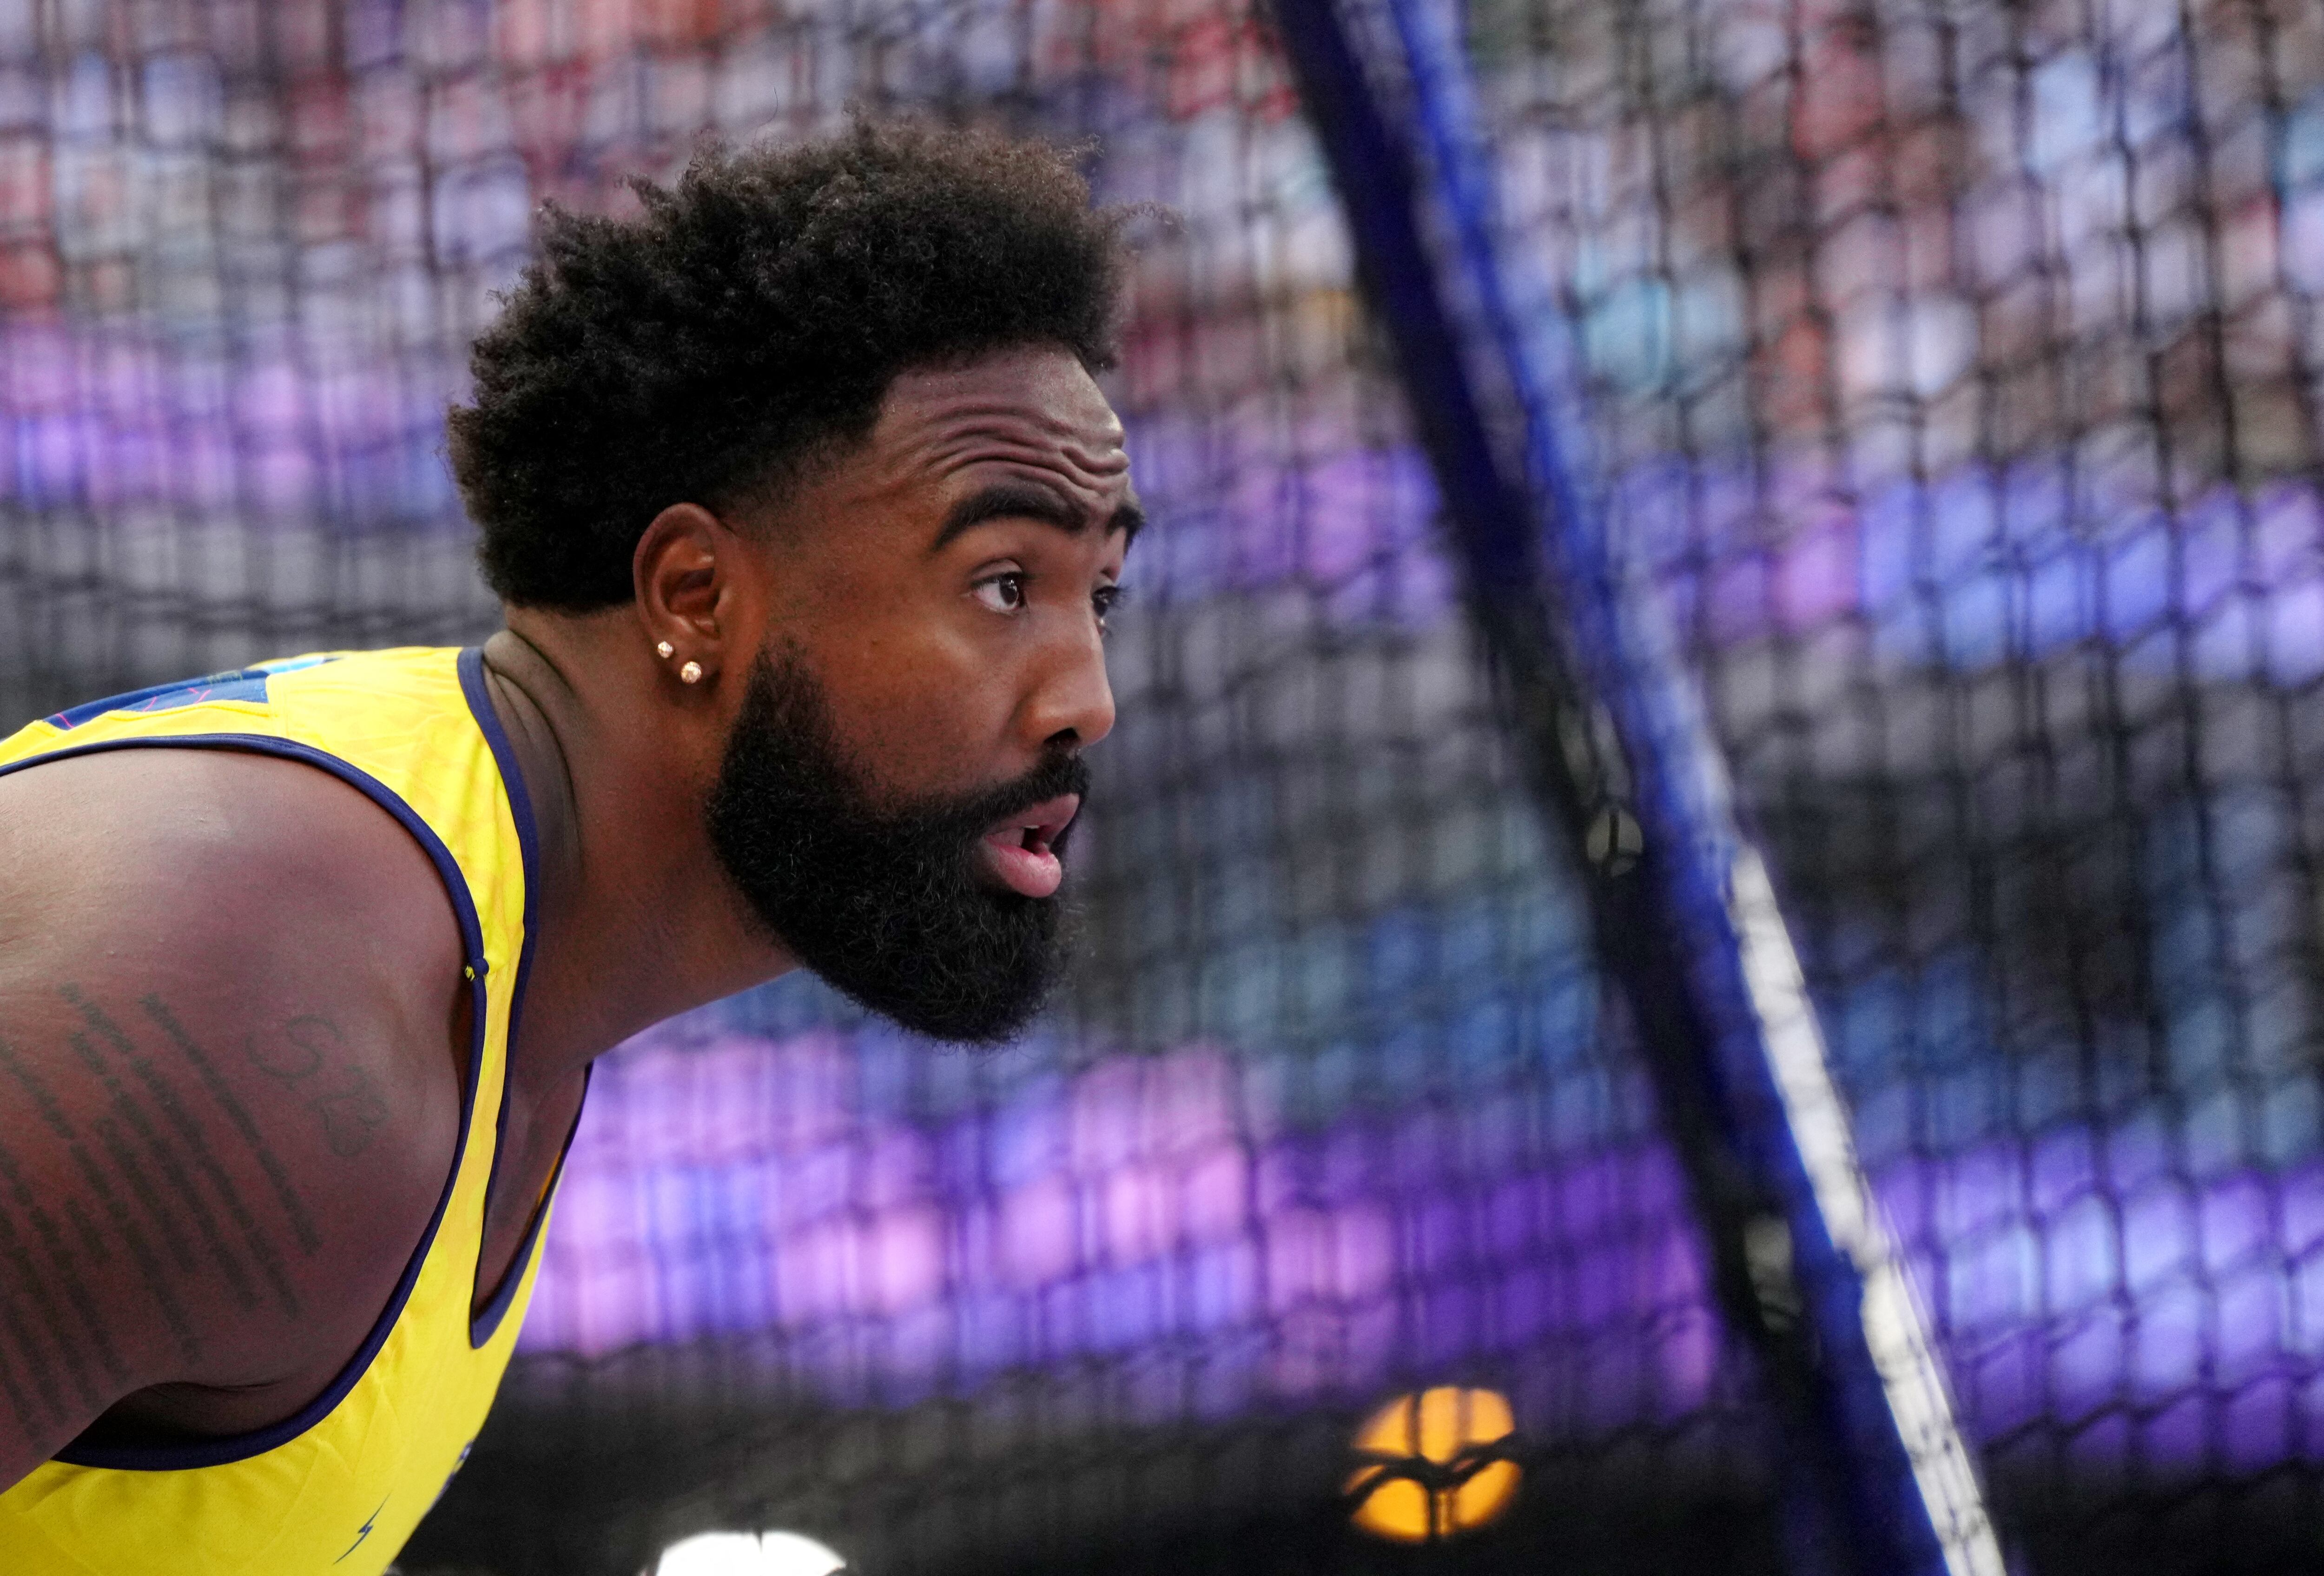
{"x":227,"y":1088}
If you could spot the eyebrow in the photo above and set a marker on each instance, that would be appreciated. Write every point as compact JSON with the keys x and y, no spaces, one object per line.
{"x":1031,"y":501}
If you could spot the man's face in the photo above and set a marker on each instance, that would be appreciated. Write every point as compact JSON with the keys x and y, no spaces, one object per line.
{"x":897,"y":788}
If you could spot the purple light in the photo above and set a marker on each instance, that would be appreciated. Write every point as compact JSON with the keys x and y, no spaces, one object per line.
{"x":1146,"y":1207}
{"x":1143,"y":1207}
{"x":1965,"y":569}
{"x":1977,"y":566}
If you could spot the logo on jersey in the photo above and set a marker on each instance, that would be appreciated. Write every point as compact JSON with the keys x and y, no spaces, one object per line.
{"x":363,"y":1531}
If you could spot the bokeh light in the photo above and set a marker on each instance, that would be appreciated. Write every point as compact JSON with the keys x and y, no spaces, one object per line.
{"x":1433,"y":1465}
{"x":748,"y":1554}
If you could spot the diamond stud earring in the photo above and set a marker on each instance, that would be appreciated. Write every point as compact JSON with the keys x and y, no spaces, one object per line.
{"x":665,"y":650}
{"x":691,"y":673}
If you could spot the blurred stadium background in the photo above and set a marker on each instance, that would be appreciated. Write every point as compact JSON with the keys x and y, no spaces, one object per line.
{"x":1953,"y":363}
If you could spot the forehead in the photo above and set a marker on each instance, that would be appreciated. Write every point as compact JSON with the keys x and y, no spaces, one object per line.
{"x":1033,"y":407}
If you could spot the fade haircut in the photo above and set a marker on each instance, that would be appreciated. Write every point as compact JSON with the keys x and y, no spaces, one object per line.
{"x":750,"y":322}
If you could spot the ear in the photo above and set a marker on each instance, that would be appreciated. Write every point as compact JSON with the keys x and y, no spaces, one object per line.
{"x":691,"y":578}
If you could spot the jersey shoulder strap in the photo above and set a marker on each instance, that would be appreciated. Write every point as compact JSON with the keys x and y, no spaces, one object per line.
{"x":341,"y":1484}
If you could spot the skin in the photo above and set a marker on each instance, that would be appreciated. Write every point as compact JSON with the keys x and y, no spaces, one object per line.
{"x":232,"y":1027}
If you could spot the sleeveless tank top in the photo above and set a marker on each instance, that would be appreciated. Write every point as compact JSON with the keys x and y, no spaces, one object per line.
{"x":338,"y":1488}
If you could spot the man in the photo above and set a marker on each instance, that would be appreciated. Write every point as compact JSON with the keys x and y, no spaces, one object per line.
{"x":807,"y":513}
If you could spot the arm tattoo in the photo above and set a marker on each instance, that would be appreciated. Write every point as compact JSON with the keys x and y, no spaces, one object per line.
{"x":348,"y":1102}
{"x":132,"y":1170}
{"x":125,"y":1225}
{"x":18,"y":1402}
{"x":154,"y":1185}
{"x":20,"y":1339}
{"x":16,"y":1254}
{"x":197,"y":1146}
{"x":181,"y":1188}
{"x":303,"y":1225}
{"x":65,"y":1262}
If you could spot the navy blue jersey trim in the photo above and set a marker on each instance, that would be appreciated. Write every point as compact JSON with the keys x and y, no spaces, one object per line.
{"x":487,"y":1321}
{"x":484,"y":1321}
{"x":237,"y":684}
{"x":246,"y":684}
{"x":184,"y":1455}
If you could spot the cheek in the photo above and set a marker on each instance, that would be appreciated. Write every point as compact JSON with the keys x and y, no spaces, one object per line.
{"x":931,"y":723}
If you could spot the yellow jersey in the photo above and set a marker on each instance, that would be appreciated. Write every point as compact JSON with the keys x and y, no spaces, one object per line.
{"x":339,"y":1486}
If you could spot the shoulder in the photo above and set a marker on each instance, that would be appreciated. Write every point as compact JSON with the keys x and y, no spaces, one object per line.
{"x":229,"y":994}
{"x":221,"y":857}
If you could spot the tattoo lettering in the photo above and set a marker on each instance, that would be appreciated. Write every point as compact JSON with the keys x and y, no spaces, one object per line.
{"x":196,"y":1142}
{"x":130,"y":1169}
{"x":125,"y":1225}
{"x":299,"y":1058}
{"x":16,"y":1254}
{"x":20,"y":1339}
{"x":348,"y":1101}
{"x":351,"y":1115}
{"x":165,"y":1157}
{"x":65,"y":1262}
{"x":303,"y":1225}
{"x":149,"y":1185}
{"x":91,"y":1239}
{"x":18,"y":1402}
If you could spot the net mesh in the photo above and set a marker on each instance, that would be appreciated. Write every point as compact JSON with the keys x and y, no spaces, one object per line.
{"x":1955,"y":368}
{"x":1952,"y":365}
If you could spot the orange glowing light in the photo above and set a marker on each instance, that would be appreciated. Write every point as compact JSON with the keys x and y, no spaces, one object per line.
{"x":1431,"y":1465}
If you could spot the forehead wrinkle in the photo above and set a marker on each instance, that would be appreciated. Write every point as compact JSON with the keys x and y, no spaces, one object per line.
{"x":979,"y":410}
{"x":1009,"y":423}
{"x":1074,"y":443}
{"x":971,"y":404}
{"x":1082,"y":468}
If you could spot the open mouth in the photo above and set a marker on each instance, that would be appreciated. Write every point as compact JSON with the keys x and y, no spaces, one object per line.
{"x":1020,"y":850}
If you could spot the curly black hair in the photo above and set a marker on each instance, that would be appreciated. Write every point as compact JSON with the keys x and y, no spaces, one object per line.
{"x":753,"y":320}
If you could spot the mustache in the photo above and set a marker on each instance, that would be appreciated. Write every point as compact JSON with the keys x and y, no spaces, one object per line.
{"x":1058,"y":773}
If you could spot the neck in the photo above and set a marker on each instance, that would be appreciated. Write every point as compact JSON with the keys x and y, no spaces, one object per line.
{"x":633,"y":918}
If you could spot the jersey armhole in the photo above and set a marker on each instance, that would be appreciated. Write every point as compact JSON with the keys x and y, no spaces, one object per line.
{"x":186,"y":1454}
{"x":484,"y":1322}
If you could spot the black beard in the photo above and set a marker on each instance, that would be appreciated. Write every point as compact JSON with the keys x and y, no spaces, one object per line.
{"x":886,"y":906}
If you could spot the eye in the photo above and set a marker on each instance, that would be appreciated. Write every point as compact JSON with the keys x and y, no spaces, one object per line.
{"x":1002,"y":592}
{"x":1104,"y":600}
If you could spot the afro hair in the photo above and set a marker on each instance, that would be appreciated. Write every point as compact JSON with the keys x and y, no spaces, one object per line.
{"x":751,"y":321}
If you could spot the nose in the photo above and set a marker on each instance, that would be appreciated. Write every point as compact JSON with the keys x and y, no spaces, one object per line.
{"x":1071,"y":702}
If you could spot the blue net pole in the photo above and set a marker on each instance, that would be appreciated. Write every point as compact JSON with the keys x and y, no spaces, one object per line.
{"x":1879,"y":1477}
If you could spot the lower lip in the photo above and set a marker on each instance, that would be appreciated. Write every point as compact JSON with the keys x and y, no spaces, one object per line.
{"x":1033,"y":872}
